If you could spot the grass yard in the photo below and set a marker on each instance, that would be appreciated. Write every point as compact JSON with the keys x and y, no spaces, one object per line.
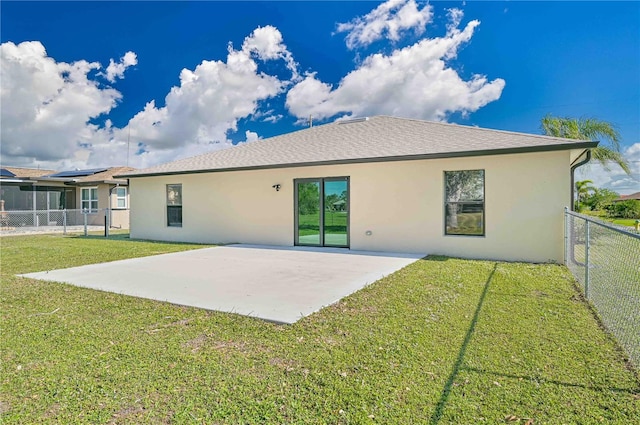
{"x":629,"y":222}
{"x":443,"y":341}
{"x":602,"y":215}
{"x":614,"y":280}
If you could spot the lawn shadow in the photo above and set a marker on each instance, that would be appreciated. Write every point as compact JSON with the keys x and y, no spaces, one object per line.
{"x":446,"y":391}
{"x":112,"y":236}
{"x":127,"y":238}
{"x":553,"y":381}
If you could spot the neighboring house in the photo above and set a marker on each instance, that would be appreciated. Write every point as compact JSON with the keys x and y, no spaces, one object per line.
{"x":45,"y":192}
{"x":631,"y":197}
{"x":407,"y":186}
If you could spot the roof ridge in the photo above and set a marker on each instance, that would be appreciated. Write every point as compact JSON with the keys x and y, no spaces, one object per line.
{"x":472,"y":127}
{"x":26,"y":168}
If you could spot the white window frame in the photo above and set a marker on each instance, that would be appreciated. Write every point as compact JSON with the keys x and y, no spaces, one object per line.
{"x":90,"y":199}
{"x":119,"y":198}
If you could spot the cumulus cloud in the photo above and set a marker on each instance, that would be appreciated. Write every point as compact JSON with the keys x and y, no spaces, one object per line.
{"x":47,"y":106}
{"x":251,"y":136}
{"x":214,"y":96}
{"x":414,"y":81}
{"x":391,"y":19}
{"x":615,"y":179}
{"x":267,"y":44}
{"x":54,"y":103}
{"x":117,"y":69}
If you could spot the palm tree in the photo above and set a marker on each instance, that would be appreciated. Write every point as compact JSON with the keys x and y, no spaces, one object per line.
{"x":583,"y":187}
{"x":589,"y":129}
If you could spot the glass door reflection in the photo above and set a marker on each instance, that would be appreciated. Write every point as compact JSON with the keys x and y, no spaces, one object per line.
{"x":308,"y":210}
{"x":336,"y":212}
{"x":322,"y":212}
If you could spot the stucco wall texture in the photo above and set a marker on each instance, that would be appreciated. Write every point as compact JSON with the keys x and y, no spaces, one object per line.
{"x":401,"y":203}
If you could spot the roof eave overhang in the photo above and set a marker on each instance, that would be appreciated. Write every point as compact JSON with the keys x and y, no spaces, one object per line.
{"x":95,"y":182}
{"x":15,"y":180}
{"x":581,"y":156}
{"x":460,"y":154}
{"x":52,"y":179}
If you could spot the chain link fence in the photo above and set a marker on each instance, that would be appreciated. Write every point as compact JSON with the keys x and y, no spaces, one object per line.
{"x":605,"y":259}
{"x":54,"y":220}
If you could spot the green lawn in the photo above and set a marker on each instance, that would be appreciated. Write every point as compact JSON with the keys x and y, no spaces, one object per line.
{"x":443,"y":341}
{"x":614,"y":280}
{"x":629,"y":222}
{"x":602,"y":215}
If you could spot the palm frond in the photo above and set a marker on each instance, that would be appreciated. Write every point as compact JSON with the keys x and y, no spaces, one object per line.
{"x":589,"y":129}
{"x":605,"y":156}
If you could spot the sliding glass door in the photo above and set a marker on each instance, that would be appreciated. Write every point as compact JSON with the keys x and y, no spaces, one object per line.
{"x":308,"y":213}
{"x":322,"y":212}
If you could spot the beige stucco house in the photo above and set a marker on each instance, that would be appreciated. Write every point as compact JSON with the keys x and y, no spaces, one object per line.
{"x":34,"y":197}
{"x":378,"y":184}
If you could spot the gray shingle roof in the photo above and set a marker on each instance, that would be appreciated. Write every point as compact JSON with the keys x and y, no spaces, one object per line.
{"x":23,"y":173}
{"x":378,"y":138}
{"x":107,"y":176}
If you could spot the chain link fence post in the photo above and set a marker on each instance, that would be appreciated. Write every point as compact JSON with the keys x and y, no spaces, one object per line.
{"x":610,"y":281}
{"x":587,"y":238}
{"x":566,"y":235}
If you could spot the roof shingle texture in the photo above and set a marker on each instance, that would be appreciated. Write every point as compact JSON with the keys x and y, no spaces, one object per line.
{"x":25,"y":173}
{"x":359,"y":140}
{"x":107,"y":175}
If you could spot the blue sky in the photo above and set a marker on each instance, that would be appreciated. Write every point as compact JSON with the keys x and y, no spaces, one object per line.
{"x":175,"y":90}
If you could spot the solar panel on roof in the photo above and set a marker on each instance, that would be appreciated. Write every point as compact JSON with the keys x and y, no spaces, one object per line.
{"x":78,"y":173}
{"x":6,"y":173}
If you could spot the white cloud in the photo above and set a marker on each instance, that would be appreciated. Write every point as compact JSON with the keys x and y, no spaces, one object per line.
{"x":267,"y":43}
{"x":251,"y":136}
{"x":47,"y":106}
{"x":411,"y":82}
{"x":213,"y":97}
{"x":52,"y":104}
{"x":455,"y":16}
{"x":615,"y":179}
{"x":267,"y":115}
{"x":116,"y":70}
{"x":389,"y":19}
{"x":273,"y":118}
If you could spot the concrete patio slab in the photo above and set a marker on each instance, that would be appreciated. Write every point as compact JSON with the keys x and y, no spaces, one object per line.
{"x":280,"y":284}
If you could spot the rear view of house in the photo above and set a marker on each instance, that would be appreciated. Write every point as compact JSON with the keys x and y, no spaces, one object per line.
{"x":377,"y":184}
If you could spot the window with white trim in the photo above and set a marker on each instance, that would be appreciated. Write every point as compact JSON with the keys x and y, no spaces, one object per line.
{"x":89,"y":199}
{"x":121,"y":197}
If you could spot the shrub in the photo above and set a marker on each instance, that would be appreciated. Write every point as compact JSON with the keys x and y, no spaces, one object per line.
{"x":624,"y":209}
